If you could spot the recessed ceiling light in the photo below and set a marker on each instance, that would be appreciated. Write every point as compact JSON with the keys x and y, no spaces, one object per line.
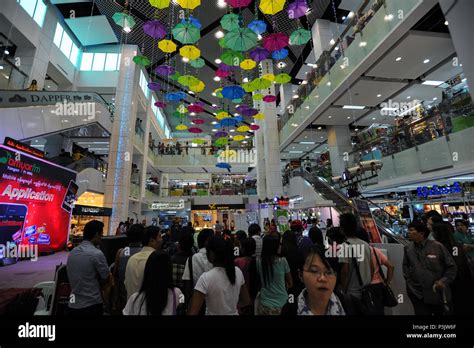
{"x":185,"y":59}
{"x":332,"y":42}
{"x":296,"y":96}
{"x":245,"y":80}
{"x":281,"y":65}
{"x":388,"y":17}
{"x":213,"y":122}
{"x":446,"y":23}
{"x":363,"y":44}
{"x":232,"y":130}
{"x":329,"y":116}
{"x":304,"y":82}
{"x":435,"y":98}
{"x":329,"y":83}
{"x":353,"y":107}
{"x":217,"y":78}
{"x":356,"y":129}
{"x":432,"y":83}
{"x":1,"y":67}
{"x":214,"y":130}
{"x":127,"y":29}
{"x":409,"y":97}
{"x":379,"y":95}
{"x":218,"y":61}
{"x":348,"y":117}
{"x":319,"y":128}
{"x":426,"y":61}
{"x":219,"y":34}
{"x":343,"y":18}
{"x":373,"y":118}
{"x":398,"y":59}
{"x":221,"y":3}
{"x":351,"y":15}
{"x":307,"y":107}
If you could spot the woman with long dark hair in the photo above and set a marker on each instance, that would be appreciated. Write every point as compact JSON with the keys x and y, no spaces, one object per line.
{"x":223,"y":287}
{"x":290,"y":251}
{"x":275,"y":277}
{"x":157,"y":296}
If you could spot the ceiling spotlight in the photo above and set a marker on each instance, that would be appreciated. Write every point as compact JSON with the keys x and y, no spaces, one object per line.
{"x":373,"y":118}
{"x":446,"y":23}
{"x":232,"y":130}
{"x":1,"y":67}
{"x":356,"y":129}
{"x":332,"y":42}
{"x":259,"y":37}
{"x":127,"y":29}
{"x":304,"y":82}
{"x":245,"y":80}
{"x":7,"y":52}
{"x":363,"y":44}
{"x":426,"y":61}
{"x":329,"y":116}
{"x":409,"y":97}
{"x":217,"y":78}
{"x":319,"y":128}
{"x":218,"y":61}
{"x":388,"y":17}
{"x":281,"y":65}
{"x":221,"y":3}
{"x":213,"y":94}
{"x":398,"y":59}
{"x":343,"y":18}
{"x":186,"y":60}
{"x":214,"y":122}
{"x":219,"y":34}
{"x":351,"y":15}
{"x":379,"y":95}
{"x":296,"y":96}
{"x":328,"y":84}
{"x":214,"y":130}
{"x":192,"y":114}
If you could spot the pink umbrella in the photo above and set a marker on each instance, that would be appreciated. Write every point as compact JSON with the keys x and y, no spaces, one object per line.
{"x":259,"y":53}
{"x":254,"y":127}
{"x":297,"y":9}
{"x":155,"y":29}
{"x":195,"y":108}
{"x":160,"y":104}
{"x":269,"y":98}
{"x":276,"y":41}
{"x":195,"y":130}
{"x":238,"y":3}
{"x":222,"y":73}
{"x":198,"y":120}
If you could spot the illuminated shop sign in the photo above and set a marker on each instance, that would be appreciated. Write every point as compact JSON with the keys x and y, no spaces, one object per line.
{"x":23,"y":147}
{"x":214,"y":206}
{"x":427,"y":191}
{"x":167,"y":205}
{"x":91,"y":211}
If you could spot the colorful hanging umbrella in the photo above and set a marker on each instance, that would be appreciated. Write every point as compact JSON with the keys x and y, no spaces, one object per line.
{"x":175,"y":76}
{"x":239,"y":118}
{"x":280,"y":54}
{"x":222,"y":73}
{"x":221,"y":43}
{"x":195,"y":108}
{"x":238,"y":3}
{"x":232,"y":58}
{"x":197,"y":63}
{"x":249,"y":112}
{"x":269,"y":77}
{"x":248,"y":64}
{"x":178,"y":114}
{"x":190,"y":52}
{"x":297,"y":9}
{"x":254,"y":127}
{"x":221,"y":115}
{"x":160,"y":104}
{"x":225,"y":67}
{"x":160,"y":4}
{"x":189,"y":4}
{"x":188,"y":80}
{"x":260,"y":83}
{"x":240,"y":39}
{"x":195,"y":130}
{"x":269,"y":98}
{"x":155,"y":29}
{"x":186,"y":33}
{"x":224,"y":165}
{"x":282,"y":78}
{"x":167,"y":46}
{"x":181,"y":127}
{"x":243,"y":129}
{"x":258,"y":27}
{"x":300,"y":37}
{"x":174,"y":96}
{"x":275,"y":41}
{"x":164,"y":70}
{"x":193,"y":20}
{"x":198,"y":88}
{"x":259,"y":53}
{"x":233,"y":92}
{"x":227,"y":122}
{"x":230,"y":21}
{"x":257,"y":96}
{"x":241,"y":108}
{"x":142,"y":60}
{"x":248,"y":87}
{"x":198,"y":121}
{"x":218,"y":93}
{"x":221,"y":134}
{"x":221,"y":142}
{"x":198,"y":141}
{"x":259,"y":116}
{"x":238,"y":137}
{"x":271,"y":7}
{"x":154,"y":86}
{"x":123,"y":19}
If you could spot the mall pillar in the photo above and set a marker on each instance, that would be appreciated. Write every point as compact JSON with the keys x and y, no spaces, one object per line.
{"x":34,"y":62}
{"x":117,"y":186}
{"x":286,"y":94}
{"x":461,"y":26}
{"x":322,"y":32}
{"x":340,"y":145}
{"x":271,"y":140}
{"x":146,"y":149}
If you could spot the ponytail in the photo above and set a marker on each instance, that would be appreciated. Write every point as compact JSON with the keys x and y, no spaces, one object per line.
{"x":223,"y":251}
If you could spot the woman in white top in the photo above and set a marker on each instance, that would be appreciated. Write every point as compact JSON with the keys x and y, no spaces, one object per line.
{"x":222,"y":288}
{"x":157,"y":295}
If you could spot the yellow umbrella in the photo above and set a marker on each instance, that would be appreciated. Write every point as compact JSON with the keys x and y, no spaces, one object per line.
{"x":269,"y":77}
{"x":198,"y":88}
{"x":259,"y":116}
{"x":160,"y":4}
{"x":190,"y":4}
{"x":271,"y":7}
{"x":221,"y":115}
{"x":243,"y":129}
{"x":181,"y":127}
{"x":248,"y":64}
{"x":239,"y":138}
{"x":167,"y":46}
{"x":190,"y":52}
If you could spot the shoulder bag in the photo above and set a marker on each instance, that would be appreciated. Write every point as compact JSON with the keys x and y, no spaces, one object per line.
{"x":389,"y":299}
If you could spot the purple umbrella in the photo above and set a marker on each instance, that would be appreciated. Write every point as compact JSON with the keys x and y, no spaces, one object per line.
{"x":165,"y":70}
{"x":221,"y":134}
{"x":297,"y":9}
{"x":241,"y":108}
{"x":249,"y":112}
{"x":155,"y":29}
{"x":200,"y":103}
{"x":225,"y":67}
{"x":154,"y":86}
{"x":258,"y":54}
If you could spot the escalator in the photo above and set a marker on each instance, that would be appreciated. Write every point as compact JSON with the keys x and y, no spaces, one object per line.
{"x":344,"y":204}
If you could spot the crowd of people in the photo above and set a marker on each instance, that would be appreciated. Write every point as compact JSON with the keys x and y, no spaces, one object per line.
{"x":255,"y":272}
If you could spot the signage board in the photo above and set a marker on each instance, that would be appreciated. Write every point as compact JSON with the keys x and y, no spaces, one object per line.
{"x":167,"y":205}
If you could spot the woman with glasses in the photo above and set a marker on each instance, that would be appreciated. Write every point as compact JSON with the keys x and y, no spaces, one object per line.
{"x":319,"y":275}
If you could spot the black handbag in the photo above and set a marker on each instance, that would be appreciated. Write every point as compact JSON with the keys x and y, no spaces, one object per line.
{"x":366,"y":304}
{"x":389,"y":299}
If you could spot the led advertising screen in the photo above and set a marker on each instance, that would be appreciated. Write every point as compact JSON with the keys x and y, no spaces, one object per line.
{"x":36,"y":200}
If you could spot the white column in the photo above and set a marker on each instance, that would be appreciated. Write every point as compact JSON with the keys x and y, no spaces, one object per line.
{"x":146,"y":149}
{"x":286,"y":93}
{"x":322,"y":32}
{"x":340,"y":145}
{"x":271,"y":139}
{"x":117,"y":186}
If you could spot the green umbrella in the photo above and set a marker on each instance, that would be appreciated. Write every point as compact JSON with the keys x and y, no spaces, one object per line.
{"x":260,"y":83}
{"x":237,"y":101}
{"x":123,"y":19}
{"x":300,"y":37}
{"x":232,"y":58}
{"x":282,"y":78}
{"x":186,"y":33}
{"x":188,"y":80}
{"x":241,"y":39}
{"x":197,"y":63}
{"x":179,"y":114}
{"x":221,"y":141}
{"x":222,"y":42}
{"x":141,"y":60}
{"x":257,"y":96}
{"x":199,"y":141}
{"x":230,"y":21}
{"x":175,"y":76}
{"x":248,"y":87}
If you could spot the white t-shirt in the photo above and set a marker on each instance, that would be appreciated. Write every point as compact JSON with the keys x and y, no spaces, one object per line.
{"x":221,"y":296}
{"x":136,"y":308}
{"x":200,"y":265}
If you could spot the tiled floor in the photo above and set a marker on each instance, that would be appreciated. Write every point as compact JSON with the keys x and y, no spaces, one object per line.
{"x":25,"y":274}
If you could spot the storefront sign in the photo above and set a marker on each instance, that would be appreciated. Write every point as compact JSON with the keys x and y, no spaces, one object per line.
{"x":12,"y":99}
{"x":426,"y":191}
{"x":91,"y":211}
{"x":214,"y":206}
{"x":23,"y":147}
{"x":167,"y":205}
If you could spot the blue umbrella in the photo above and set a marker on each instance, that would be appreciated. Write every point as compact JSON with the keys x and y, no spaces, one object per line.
{"x":192,"y":20}
{"x":228,"y":122}
{"x":238,"y":118}
{"x":233,"y":92}
{"x":280,"y":54}
{"x":258,"y":27}
{"x":224,"y":165}
{"x":174,"y":96}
